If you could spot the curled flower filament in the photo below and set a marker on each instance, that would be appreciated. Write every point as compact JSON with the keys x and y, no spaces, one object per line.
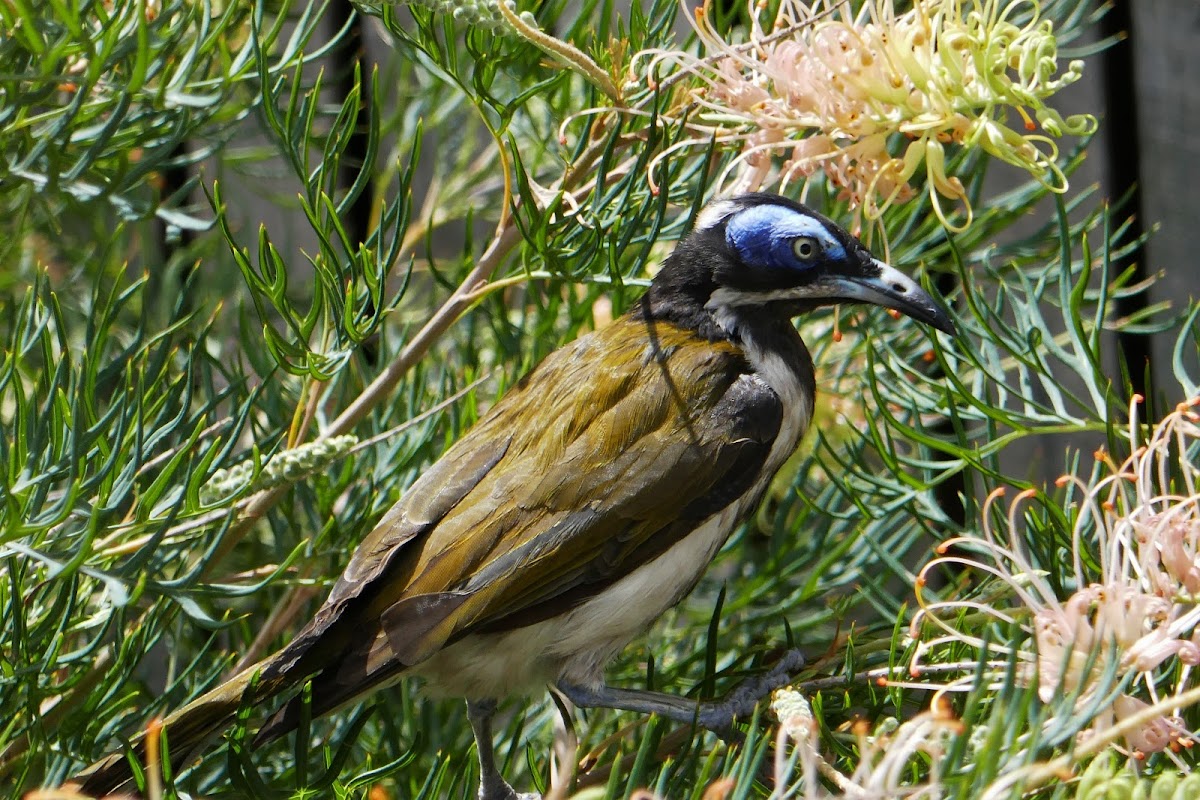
{"x":875,"y":99}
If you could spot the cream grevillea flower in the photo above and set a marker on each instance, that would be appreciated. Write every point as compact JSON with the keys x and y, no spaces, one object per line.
{"x":887,"y":756}
{"x":874,"y":99}
{"x":1131,"y":617}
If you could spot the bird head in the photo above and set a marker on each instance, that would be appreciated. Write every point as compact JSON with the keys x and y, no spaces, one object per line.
{"x":762,"y":252}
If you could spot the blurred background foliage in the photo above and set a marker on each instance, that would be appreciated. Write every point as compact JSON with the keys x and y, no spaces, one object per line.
{"x":231,"y":229}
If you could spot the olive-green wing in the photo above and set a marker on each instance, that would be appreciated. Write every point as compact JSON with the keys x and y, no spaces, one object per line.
{"x":381,"y":566}
{"x":599,"y":460}
{"x":582,"y":498}
{"x":426,"y":503}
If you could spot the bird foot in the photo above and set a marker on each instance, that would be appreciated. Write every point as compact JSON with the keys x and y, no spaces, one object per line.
{"x":719,"y":716}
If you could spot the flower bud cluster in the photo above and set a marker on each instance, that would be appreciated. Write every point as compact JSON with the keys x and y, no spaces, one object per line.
{"x":478,"y":13}
{"x":1101,"y":780}
{"x":285,"y":468}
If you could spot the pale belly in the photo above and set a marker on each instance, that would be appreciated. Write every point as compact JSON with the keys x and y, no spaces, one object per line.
{"x":576,"y":647}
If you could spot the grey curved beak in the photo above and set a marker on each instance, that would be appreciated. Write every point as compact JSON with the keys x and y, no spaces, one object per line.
{"x":892,"y":289}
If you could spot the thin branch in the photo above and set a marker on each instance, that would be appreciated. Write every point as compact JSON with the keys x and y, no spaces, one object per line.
{"x":279,"y":621}
{"x":565,"y":52}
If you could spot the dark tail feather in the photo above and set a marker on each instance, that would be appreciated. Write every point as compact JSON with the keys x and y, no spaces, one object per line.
{"x":187,"y":729}
{"x":332,"y":689}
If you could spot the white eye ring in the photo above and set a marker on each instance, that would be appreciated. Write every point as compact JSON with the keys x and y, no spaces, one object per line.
{"x":805,"y":247}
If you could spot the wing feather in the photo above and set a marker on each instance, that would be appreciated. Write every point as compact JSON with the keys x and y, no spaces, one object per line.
{"x":603,"y":456}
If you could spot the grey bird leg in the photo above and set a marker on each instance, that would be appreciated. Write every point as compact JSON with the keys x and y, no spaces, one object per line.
{"x":714,"y":716}
{"x":492,"y":785}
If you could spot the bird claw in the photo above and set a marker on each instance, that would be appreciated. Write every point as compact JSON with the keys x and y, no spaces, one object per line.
{"x":719,"y":717}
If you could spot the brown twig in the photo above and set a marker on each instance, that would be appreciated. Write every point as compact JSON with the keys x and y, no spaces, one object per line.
{"x":505,"y":239}
{"x":278,"y":622}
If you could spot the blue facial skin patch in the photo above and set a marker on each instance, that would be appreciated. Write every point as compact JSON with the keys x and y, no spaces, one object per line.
{"x":763,"y":235}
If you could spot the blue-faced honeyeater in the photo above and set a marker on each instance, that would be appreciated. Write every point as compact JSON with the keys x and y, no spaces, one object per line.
{"x":588,"y":500}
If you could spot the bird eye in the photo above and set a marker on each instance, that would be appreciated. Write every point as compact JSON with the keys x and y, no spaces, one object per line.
{"x":805,"y":247}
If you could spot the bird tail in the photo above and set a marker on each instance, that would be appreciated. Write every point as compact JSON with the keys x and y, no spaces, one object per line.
{"x":187,"y":729}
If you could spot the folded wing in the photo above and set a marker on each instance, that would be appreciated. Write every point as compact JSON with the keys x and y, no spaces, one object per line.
{"x":603,"y":457}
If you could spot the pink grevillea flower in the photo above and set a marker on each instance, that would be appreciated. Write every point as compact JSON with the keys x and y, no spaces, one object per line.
{"x":876,"y":98}
{"x":1133,"y":613}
